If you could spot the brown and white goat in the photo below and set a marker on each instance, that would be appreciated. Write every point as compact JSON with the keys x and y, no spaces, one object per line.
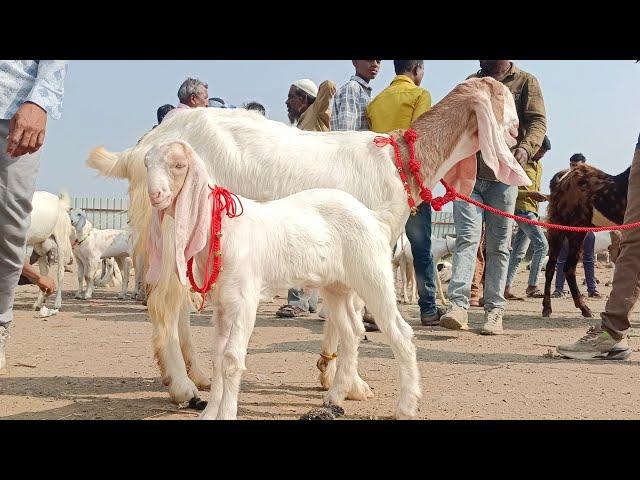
{"x":582,"y":196}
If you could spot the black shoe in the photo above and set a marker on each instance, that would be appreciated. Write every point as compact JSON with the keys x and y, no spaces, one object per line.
{"x":432,"y":320}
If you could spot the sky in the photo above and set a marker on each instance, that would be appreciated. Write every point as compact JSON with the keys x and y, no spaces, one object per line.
{"x":593,"y":107}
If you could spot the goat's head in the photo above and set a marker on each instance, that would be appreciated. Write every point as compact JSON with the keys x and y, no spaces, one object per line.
{"x":78,"y":218}
{"x":177,"y":184}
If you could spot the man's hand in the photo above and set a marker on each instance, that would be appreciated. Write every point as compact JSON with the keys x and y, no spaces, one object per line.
{"x":537,"y":196}
{"x":46,"y":284}
{"x":521,"y":156}
{"x":26,"y":130}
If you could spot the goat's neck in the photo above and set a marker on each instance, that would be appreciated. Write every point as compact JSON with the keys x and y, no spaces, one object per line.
{"x":86,"y":228}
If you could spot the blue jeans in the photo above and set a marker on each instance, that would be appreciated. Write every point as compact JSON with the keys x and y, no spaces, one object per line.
{"x":527,"y":234}
{"x":418,"y":230}
{"x":587,"y":262}
{"x":305,"y":300}
{"x":468,"y":223}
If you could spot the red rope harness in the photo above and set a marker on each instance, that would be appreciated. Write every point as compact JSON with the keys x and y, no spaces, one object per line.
{"x":223,"y":200}
{"x":450,"y":195}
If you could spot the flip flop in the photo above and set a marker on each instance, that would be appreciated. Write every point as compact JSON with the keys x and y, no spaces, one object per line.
{"x":537,"y":293}
{"x":291,"y":311}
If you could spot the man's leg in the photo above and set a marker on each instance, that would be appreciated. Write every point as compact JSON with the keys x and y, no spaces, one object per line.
{"x":588,"y":262}
{"x":17,"y":183}
{"x":518,"y":251}
{"x":611,"y":338}
{"x":499,"y":228}
{"x":468,"y":223}
{"x":540,"y":248}
{"x":297,"y":304}
{"x":477,"y":283}
{"x":418,"y":230}
{"x":562,"y":259}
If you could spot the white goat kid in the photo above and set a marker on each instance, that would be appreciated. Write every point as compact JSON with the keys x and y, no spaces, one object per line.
{"x":267,"y":160}
{"x":50,"y":229}
{"x":403,"y":261}
{"x":317,"y":238}
{"x":91,"y":246}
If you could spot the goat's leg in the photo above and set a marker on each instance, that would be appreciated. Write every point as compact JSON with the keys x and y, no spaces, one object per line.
{"x":124,"y":265}
{"x":328,"y":348}
{"x":58,"y":301}
{"x":400,"y":337}
{"x":80,"y":266}
{"x":221,"y":331}
{"x":413,"y":286}
{"x":243,"y":317}
{"x":90,"y":273}
{"x":164,"y":314}
{"x":439,"y":290}
{"x":555,"y":244}
{"x":140,"y":293}
{"x":575,"y":246}
{"x":43,"y":266}
{"x":188,"y":352}
{"x":403,"y":279}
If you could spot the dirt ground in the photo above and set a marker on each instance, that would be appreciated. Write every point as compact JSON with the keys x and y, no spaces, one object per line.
{"x":94,"y":361}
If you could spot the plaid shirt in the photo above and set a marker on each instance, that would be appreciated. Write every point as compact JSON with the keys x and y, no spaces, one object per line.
{"x":349,"y":110}
{"x":37,"y":81}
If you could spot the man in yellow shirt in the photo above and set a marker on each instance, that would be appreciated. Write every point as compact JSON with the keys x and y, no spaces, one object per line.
{"x":398,"y":106}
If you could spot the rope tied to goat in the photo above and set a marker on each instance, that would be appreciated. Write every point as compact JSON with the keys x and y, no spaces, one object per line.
{"x":451,"y":194}
{"x":224,"y":201}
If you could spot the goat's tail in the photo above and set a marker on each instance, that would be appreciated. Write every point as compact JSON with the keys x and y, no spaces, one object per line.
{"x":109,"y":164}
{"x":65,"y":200}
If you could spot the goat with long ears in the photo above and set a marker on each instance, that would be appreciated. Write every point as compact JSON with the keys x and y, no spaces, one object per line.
{"x":267,"y":160}
{"x":321,"y":238}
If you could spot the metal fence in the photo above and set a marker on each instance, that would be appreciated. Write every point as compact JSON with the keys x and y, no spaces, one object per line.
{"x":111,"y":212}
{"x":105,"y":212}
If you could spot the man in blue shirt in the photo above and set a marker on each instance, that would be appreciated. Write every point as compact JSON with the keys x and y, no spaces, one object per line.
{"x":29,"y":91}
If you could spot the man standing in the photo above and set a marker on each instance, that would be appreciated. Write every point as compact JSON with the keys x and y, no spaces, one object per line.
{"x":309,"y":107}
{"x":588,"y":253}
{"x":468,"y":218}
{"x":527,"y":207}
{"x":351,"y":100}
{"x":29,"y":90}
{"x":192,"y":94}
{"x":610,"y":338}
{"x":397,"y":107}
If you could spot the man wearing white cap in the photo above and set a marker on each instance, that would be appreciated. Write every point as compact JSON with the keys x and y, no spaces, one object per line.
{"x":310,"y":107}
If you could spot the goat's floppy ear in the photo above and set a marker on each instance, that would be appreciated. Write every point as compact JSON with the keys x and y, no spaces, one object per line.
{"x":495,"y":152}
{"x":192,"y":211}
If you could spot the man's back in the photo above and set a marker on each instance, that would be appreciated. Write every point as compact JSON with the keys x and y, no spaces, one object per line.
{"x":398,"y":105}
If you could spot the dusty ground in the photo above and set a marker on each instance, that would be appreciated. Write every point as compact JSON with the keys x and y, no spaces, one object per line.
{"x":94,"y":361}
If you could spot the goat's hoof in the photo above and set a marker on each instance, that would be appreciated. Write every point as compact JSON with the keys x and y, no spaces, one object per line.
{"x":546,"y":312}
{"x":78,"y":296}
{"x":197,"y":404}
{"x":182,"y":390}
{"x":586,"y":312}
{"x":360,"y":390}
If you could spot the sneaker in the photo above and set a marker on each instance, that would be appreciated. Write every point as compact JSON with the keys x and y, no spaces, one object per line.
{"x":493,"y":322}
{"x":4,"y":335}
{"x":455,"y":318}
{"x":595,"y":294}
{"x":595,"y":343}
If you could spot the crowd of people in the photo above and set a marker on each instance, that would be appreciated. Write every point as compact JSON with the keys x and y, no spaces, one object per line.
{"x":484,"y":259}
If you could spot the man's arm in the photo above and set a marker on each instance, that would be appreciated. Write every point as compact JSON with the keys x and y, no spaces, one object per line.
{"x":322,"y":104}
{"x":44,"y":283}
{"x":534,"y":118}
{"x":27,"y":126}
{"x":422,"y":105}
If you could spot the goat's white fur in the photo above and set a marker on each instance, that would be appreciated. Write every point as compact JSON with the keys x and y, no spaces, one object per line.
{"x":266,"y":160}
{"x":50,"y":228}
{"x":319,"y":238}
{"x":94,"y":245}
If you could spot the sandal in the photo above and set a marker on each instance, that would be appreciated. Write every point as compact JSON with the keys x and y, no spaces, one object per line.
{"x":537,"y":293}
{"x":291,"y":311}
{"x":511,"y":296}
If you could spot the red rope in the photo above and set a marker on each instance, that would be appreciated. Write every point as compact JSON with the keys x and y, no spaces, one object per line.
{"x":223,"y":200}
{"x":437,"y":203}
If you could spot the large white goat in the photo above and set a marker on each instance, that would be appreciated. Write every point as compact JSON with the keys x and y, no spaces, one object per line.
{"x":319,"y":238}
{"x":266,"y":160}
{"x":50,"y":229}
{"x":92,"y":245}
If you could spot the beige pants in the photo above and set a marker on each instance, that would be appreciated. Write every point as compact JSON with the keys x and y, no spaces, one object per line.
{"x":626,"y":279}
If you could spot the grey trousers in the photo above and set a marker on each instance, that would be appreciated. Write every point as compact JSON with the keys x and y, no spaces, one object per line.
{"x":306,"y":300}
{"x":17,"y":183}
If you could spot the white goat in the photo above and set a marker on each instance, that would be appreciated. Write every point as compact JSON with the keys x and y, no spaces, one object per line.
{"x":266,"y":160}
{"x":50,"y":229}
{"x":317,"y":238}
{"x":91,"y":246}
{"x":403,"y":261}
